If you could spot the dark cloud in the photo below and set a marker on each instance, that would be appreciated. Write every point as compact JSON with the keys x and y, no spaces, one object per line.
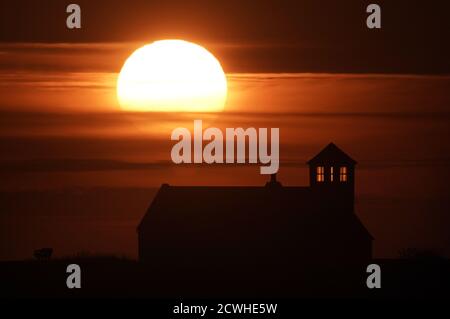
{"x":75,"y":165}
{"x":49,"y":165}
{"x":256,"y":36}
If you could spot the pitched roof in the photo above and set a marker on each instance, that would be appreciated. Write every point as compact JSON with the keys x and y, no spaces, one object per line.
{"x":244,"y":212}
{"x":332,"y":154}
{"x":202,"y":202}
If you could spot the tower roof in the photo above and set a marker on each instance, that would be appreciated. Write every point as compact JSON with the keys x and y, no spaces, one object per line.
{"x":332,"y":154}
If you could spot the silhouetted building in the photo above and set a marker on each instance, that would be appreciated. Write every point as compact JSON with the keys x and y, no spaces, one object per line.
{"x":272,"y":226}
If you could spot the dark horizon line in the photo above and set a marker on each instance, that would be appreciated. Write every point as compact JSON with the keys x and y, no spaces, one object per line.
{"x":5,"y":111}
{"x":48,"y":165}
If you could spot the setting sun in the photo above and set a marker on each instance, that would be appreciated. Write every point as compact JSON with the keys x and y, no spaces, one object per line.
{"x":172,"y":76}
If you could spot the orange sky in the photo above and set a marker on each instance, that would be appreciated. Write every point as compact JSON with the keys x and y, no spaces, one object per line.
{"x":82,"y":77}
{"x":62,"y":130}
{"x":313,"y":70}
{"x":59,"y":104}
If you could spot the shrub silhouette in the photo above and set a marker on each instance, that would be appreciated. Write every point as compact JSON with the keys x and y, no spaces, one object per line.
{"x":43,"y":253}
{"x":415,"y":253}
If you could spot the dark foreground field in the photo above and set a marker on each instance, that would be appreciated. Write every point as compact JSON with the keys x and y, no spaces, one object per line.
{"x":120,"y":278}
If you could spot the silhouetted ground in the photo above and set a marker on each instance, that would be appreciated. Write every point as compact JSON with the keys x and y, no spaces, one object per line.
{"x":121,"y":278}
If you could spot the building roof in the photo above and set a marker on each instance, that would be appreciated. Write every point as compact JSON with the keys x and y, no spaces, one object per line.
{"x":332,"y":154}
{"x":248,"y":213}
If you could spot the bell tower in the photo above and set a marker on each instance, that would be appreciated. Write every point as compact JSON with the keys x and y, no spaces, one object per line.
{"x":332,"y":178}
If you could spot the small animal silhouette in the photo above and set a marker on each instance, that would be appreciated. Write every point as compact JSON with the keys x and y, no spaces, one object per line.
{"x":43,"y":253}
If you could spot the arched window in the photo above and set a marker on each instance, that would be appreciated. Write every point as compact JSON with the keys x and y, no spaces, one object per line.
{"x":343,"y":174}
{"x":320,"y":177}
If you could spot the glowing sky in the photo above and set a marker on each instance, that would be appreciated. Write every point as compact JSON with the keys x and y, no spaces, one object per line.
{"x":381,"y":96}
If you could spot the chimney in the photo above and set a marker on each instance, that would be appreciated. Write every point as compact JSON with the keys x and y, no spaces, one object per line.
{"x":273,"y":178}
{"x":273,"y":181}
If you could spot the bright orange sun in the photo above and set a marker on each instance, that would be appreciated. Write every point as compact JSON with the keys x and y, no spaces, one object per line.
{"x":172,"y":76}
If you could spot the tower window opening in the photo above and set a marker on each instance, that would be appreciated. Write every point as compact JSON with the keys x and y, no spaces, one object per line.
{"x":343,"y":174}
{"x":320,"y":173}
